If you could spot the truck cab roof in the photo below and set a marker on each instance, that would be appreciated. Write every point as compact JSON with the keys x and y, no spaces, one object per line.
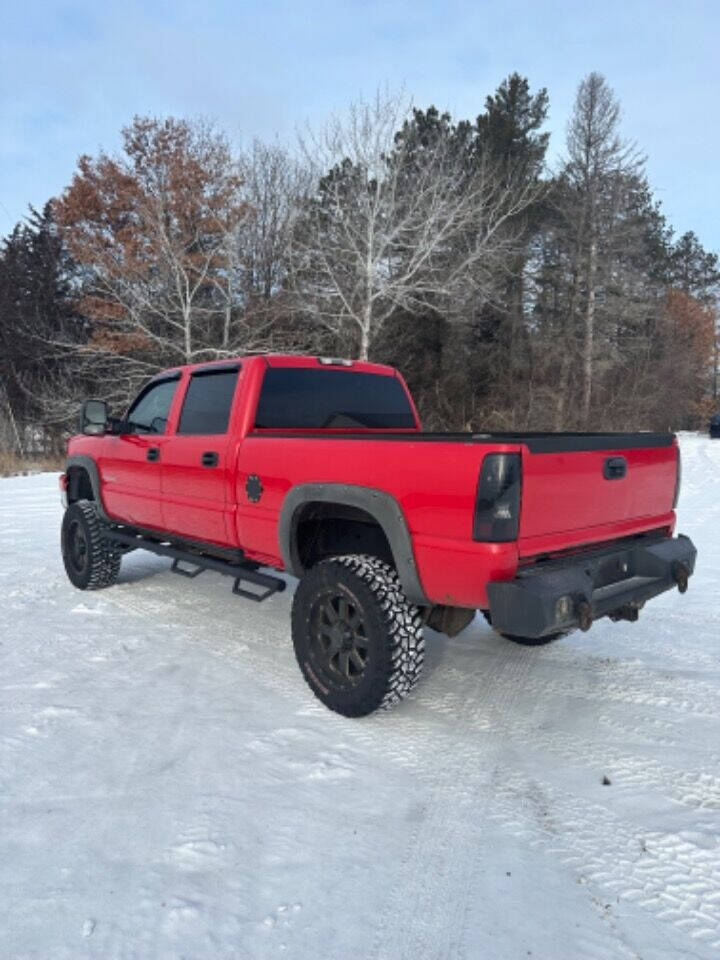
{"x":286,"y":360}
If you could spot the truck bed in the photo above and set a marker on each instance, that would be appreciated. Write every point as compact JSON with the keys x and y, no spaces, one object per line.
{"x":566,"y":500}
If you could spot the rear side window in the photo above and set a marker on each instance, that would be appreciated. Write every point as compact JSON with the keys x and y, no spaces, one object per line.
{"x":206,"y":408}
{"x":297,"y":397}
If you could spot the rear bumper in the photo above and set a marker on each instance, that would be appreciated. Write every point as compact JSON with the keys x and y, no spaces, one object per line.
{"x":559,"y":595}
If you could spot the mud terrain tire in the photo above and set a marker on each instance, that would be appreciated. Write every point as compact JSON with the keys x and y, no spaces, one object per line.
{"x":90,"y":561}
{"x":358,"y":641}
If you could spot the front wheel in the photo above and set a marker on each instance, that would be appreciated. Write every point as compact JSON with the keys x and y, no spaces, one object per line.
{"x":90,"y":562}
{"x":357,"y":639}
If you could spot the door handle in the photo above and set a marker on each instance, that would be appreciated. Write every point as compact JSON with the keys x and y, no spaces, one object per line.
{"x":153,"y":454}
{"x":209,"y":459}
{"x":614,"y":468}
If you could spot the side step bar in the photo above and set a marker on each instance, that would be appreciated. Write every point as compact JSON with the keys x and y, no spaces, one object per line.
{"x":246,"y":572}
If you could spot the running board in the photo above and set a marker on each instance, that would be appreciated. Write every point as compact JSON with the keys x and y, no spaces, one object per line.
{"x":246,"y":572}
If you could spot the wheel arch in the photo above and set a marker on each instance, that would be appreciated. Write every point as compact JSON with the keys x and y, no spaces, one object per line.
{"x":82,"y":473}
{"x":381,"y":507}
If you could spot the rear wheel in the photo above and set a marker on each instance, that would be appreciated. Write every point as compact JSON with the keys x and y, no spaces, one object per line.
{"x":357,"y":639}
{"x":524,"y":641}
{"x":91,"y":563}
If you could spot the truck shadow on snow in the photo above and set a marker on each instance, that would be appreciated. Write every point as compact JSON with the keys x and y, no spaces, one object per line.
{"x":472,"y":650}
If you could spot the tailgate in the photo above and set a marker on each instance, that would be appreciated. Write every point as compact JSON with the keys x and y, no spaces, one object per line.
{"x":576,"y":496}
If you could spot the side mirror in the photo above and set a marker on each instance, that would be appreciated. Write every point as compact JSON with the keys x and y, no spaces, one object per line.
{"x":93,"y":418}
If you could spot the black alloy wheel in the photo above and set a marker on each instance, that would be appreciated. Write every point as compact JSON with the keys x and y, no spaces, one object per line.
{"x":339,"y":646}
{"x":78,"y":552}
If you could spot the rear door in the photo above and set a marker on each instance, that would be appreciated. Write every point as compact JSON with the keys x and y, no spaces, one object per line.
{"x":130,"y":463}
{"x":196,"y":471}
{"x":311,"y":396}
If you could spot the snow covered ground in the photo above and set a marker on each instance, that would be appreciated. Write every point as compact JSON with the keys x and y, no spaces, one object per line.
{"x":170,"y":789}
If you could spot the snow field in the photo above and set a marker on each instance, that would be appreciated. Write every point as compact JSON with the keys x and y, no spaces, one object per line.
{"x":169,"y":788}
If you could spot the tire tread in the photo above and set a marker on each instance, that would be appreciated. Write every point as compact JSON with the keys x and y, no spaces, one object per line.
{"x":104,"y":559}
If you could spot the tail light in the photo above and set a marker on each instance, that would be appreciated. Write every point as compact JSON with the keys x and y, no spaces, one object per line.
{"x":678,"y":479}
{"x":497,"y":504}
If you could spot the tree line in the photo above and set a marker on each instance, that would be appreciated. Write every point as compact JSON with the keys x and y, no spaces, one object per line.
{"x":510,"y":296}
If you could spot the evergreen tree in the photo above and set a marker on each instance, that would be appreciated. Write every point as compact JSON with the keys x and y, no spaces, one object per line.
{"x":37,"y":309}
{"x":510,"y":128}
{"x":692,"y":269}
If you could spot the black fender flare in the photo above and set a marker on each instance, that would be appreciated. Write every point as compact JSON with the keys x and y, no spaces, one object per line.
{"x":379,"y":504}
{"x":87,"y":464}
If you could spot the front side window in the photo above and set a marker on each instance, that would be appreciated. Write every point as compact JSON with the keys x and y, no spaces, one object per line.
{"x":149,"y":412}
{"x":208,"y":401}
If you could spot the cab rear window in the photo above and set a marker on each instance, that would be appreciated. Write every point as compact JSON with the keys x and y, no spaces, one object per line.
{"x":302,"y":398}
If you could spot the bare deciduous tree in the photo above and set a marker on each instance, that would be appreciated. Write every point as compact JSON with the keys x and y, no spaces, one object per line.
{"x":599,"y":165}
{"x":274,"y":186}
{"x":390,"y":230}
{"x":434,"y":245}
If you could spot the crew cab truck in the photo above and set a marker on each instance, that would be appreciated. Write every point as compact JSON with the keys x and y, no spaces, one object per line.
{"x":319,"y":467}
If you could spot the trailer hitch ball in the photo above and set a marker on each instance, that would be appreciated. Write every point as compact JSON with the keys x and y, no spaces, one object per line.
{"x":585,"y":618}
{"x":680,"y":575}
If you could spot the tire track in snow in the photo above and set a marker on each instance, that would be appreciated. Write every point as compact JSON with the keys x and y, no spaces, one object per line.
{"x":680,"y":694}
{"x":435,"y":836}
{"x":432,"y":923}
{"x":690,"y":901}
{"x":673,"y":878}
{"x":635,"y":725}
{"x":699,"y":789}
{"x":685,"y":885}
{"x":436,"y":874}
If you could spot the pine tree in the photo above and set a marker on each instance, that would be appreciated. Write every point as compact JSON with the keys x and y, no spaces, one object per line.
{"x":37,"y":308}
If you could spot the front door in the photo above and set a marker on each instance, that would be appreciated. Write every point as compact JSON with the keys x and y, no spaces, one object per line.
{"x":197,"y":474}
{"x":130,"y":463}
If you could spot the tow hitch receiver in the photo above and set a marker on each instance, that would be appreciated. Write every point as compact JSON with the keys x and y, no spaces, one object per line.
{"x":628,"y":612}
{"x":584,"y":615}
{"x":681,"y":575}
{"x":560,"y":594}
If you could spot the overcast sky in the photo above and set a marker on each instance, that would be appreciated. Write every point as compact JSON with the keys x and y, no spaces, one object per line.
{"x":71,"y":74}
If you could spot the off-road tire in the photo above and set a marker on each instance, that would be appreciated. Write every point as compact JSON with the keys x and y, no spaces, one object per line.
{"x":392,"y":632}
{"x":524,"y":641}
{"x":97,"y":564}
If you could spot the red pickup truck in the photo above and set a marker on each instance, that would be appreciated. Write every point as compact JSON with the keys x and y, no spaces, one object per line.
{"x":319,"y":467}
